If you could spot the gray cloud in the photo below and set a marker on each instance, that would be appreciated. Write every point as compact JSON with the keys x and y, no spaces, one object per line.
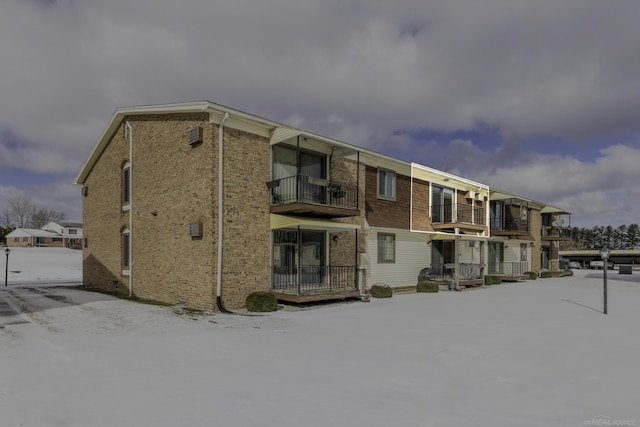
{"x":355,"y":71}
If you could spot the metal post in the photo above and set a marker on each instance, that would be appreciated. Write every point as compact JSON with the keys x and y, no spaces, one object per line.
{"x":604,"y":254}
{"x":6,"y":268}
{"x":605,"y":287}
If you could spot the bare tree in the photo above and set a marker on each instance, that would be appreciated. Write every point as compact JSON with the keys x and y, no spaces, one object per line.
{"x":44,"y":216}
{"x":22,"y":210}
{"x":6,"y":218}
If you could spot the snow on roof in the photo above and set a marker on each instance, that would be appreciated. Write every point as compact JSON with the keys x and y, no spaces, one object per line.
{"x":30,"y":232}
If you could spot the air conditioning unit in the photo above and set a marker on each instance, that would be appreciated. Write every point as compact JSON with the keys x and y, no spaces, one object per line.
{"x":471,"y":194}
{"x":195,"y":229}
{"x":480,"y":197}
{"x":195,"y":135}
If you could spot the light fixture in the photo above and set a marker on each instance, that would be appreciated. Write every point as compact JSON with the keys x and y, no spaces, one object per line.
{"x":334,"y":238}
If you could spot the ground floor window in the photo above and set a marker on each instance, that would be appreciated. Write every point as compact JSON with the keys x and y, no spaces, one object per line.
{"x":126,"y":250}
{"x":386,"y":248}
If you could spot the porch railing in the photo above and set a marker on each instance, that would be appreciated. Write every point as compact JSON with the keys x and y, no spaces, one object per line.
{"x":314,"y":278}
{"x":468,"y":271}
{"x":515,"y":268}
{"x":466,"y":214}
{"x":306,"y":189}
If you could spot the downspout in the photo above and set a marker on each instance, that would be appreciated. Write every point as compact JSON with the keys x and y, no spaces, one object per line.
{"x":220,"y":217}
{"x":130,"y":132}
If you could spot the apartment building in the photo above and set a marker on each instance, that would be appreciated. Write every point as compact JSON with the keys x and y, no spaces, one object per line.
{"x":201,"y":204}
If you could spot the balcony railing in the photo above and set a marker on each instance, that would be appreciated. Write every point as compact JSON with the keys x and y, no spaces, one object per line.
{"x":305,"y":189}
{"x":519,"y":225}
{"x":314,"y":279}
{"x":514,"y":268}
{"x":555,"y":232}
{"x":466,"y":214}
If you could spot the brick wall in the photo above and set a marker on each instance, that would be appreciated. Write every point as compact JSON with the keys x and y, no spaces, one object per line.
{"x":421,"y":200}
{"x":175,"y":184}
{"x":388,"y":213}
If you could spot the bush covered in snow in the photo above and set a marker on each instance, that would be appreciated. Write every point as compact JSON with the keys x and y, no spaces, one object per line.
{"x":427,"y":286}
{"x":381,"y":291}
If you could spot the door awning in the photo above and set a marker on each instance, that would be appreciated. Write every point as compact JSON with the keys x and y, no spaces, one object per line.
{"x":291,"y":221}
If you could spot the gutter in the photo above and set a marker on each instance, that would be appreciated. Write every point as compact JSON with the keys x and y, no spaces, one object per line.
{"x":130,"y":132}
{"x":220,"y":216}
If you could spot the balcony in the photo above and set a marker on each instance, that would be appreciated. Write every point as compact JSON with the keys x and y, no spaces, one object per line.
{"x":468,"y":274}
{"x":302,"y":194}
{"x":315,"y":282}
{"x":458,"y":215}
{"x":554,"y":233}
{"x":510,"y":227}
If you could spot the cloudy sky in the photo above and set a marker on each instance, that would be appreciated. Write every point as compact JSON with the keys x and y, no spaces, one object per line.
{"x":536,"y":97}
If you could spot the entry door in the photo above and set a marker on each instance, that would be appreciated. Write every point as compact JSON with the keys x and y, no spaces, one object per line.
{"x":442,"y":253}
{"x":496,"y":257}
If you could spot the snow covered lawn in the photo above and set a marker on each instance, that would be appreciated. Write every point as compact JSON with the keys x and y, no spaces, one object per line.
{"x":536,"y":353}
{"x":43,"y":266}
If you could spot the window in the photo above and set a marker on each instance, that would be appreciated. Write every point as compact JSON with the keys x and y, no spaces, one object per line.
{"x":523,"y":251}
{"x":386,"y":184}
{"x":73,"y":231}
{"x":386,"y":248}
{"x":126,"y":250}
{"x":441,"y":204}
{"x":25,"y":239}
{"x":126,"y":184}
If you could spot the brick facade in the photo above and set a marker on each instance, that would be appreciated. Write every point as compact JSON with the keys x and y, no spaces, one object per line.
{"x":175,"y":184}
{"x":388,"y":213}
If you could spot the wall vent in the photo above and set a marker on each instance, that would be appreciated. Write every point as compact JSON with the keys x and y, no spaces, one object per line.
{"x":195,"y":135}
{"x":195,"y":229}
{"x":85,"y":190}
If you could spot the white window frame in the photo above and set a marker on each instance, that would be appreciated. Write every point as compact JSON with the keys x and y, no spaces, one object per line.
{"x":386,"y":255}
{"x":125,"y":252}
{"x":125,"y":186}
{"x":387,"y":173}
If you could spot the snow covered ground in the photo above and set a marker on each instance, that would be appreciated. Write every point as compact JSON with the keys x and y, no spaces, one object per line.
{"x":43,"y":266}
{"x":533,"y":353}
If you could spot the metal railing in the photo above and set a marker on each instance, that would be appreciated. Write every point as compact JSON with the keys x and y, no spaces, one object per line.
{"x":314,"y":278}
{"x":514,"y":268}
{"x":509,"y":225}
{"x":306,"y":189}
{"x":468,"y":271}
{"x":462,"y":213}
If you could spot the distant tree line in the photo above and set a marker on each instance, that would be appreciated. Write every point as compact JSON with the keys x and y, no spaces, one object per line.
{"x":22,"y":213}
{"x":598,"y":237}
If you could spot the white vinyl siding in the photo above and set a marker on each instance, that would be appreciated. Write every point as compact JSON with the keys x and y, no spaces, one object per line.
{"x":412,"y":255}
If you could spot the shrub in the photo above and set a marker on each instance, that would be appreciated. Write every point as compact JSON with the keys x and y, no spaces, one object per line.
{"x":261,"y":302}
{"x":427,"y":286}
{"x":545,"y":275}
{"x":567,"y":273}
{"x":381,"y":291}
{"x":492,"y":280}
{"x":532,"y":275}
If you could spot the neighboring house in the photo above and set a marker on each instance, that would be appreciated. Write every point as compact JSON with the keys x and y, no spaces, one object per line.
{"x":53,"y":234}
{"x":201,"y":204}
{"x":27,"y":237}
{"x":71,"y":232}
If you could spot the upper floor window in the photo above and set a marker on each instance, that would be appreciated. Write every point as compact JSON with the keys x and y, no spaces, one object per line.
{"x":73,"y":231}
{"x":386,"y":184}
{"x":441,"y":204}
{"x":126,"y":184}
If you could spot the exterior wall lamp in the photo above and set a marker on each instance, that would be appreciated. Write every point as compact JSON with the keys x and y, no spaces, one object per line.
{"x":604,"y":254}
